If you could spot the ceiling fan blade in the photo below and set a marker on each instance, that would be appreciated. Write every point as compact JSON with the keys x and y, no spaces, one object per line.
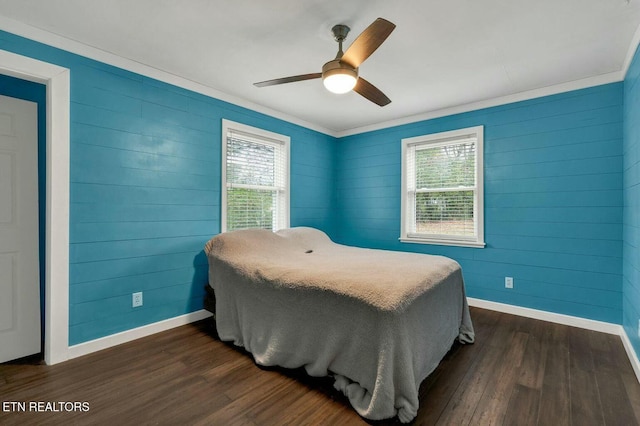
{"x":367,"y":42}
{"x":291,"y":79}
{"x":371,"y":92}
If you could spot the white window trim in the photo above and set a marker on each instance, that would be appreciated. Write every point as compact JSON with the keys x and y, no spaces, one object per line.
{"x":228,"y":125}
{"x":435,"y":139}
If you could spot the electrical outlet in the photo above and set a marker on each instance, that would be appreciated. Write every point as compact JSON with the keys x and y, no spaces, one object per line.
{"x":508,"y":282}
{"x":136,"y":299}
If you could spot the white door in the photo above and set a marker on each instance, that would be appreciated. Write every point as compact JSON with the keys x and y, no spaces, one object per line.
{"x":19,"y":257}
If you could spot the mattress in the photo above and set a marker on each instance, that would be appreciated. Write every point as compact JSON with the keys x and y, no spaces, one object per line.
{"x":377,"y":321}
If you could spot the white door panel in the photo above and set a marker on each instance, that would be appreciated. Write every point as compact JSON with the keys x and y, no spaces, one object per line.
{"x":19,"y":253}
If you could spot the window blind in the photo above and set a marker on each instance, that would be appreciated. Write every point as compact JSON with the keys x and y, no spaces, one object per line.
{"x":256,"y":181}
{"x":441,"y":188}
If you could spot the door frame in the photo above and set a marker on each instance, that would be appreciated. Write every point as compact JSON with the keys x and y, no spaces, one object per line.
{"x":57,"y":81}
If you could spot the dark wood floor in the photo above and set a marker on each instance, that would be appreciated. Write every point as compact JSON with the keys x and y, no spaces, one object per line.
{"x":519,"y":372}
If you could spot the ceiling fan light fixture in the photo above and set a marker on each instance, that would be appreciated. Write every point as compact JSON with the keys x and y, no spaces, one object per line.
{"x":338,"y":77}
{"x":340,"y":83}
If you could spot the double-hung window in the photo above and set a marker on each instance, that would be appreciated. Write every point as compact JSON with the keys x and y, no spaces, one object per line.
{"x":442,"y":188}
{"x":255,"y":178}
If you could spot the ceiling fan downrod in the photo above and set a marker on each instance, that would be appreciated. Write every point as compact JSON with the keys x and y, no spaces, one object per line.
{"x":340,"y":32}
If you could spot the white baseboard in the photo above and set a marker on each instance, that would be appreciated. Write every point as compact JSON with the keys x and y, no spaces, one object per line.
{"x":603,"y":327}
{"x":631,"y":353}
{"x":135,"y":333}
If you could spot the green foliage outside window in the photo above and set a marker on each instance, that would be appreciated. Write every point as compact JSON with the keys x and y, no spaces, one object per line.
{"x":443,"y":203}
{"x":249,"y":208}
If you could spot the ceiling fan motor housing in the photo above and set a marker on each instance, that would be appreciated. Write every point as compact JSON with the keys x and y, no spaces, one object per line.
{"x":338,"y":67}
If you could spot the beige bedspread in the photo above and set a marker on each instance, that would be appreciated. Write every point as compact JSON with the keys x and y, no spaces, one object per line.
{"x":378,"y":321}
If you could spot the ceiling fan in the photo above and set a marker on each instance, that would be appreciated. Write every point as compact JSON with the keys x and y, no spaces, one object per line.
{"x":340,"y":75}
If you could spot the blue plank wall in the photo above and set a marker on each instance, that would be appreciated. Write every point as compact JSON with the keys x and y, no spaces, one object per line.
{"x":145,"y":195}
{"x":631,"y":212}
{"x":145,"y":190}
{"x":553,"y":200}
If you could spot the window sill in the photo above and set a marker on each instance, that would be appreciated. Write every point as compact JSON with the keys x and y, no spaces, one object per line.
{"x":456,"y":243}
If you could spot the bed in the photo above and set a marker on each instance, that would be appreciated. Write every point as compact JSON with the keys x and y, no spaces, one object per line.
{"x":377,"y":321}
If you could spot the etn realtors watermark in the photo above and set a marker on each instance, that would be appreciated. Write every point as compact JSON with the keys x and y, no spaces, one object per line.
{"x":45,"y":406}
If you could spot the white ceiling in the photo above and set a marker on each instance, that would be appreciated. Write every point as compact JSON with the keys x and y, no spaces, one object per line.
{"x":443,"y":54}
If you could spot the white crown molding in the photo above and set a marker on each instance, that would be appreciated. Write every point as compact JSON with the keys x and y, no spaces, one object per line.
{"x":584,"y":83}
{"x":73,"y":46}
{"x":135,"y":333}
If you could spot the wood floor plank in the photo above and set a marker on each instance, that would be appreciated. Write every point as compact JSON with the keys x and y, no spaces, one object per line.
{"x":631,"y":385}
{"x":493,"y":405}
{"x":554,"y":406}
{"x":585,"y":398}
{"x":439,"y":387}
{"x":519,"y":372}
{"x":616,"y":406}
{"x":522,"y":407}
{"x":535,"y":357}
{"x":465,"y":400}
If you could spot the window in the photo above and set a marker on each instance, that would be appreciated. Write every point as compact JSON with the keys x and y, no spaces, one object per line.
{"x":255,"y":178}
{"x":442,"y":190}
